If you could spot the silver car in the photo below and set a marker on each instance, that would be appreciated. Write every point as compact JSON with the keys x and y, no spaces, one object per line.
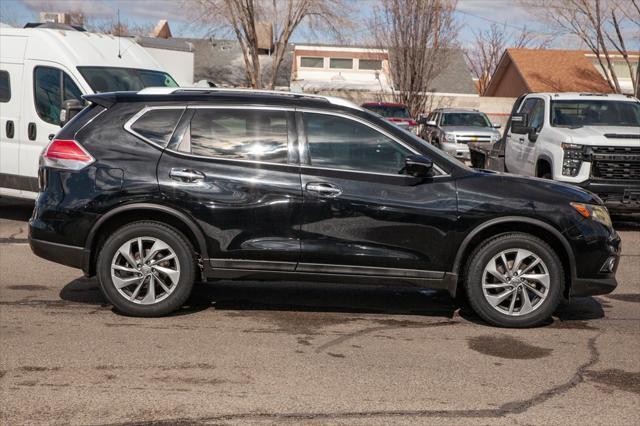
{"x":453,"y":129}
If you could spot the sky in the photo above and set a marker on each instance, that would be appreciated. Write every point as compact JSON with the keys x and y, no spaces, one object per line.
{"x":471,"y":15}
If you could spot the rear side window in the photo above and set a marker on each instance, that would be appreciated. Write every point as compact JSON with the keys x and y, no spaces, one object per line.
{"x":157,"y":125}
{"x":257,"y":135}
{"x":5,"y":87}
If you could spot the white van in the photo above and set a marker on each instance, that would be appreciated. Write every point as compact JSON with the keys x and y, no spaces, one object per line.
{"x":40,"y":68}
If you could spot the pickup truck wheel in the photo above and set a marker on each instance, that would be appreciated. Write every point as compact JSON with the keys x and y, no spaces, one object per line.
{"x":514,"y":280}
{"x":547,"y":175}
{"x":146,"y":269}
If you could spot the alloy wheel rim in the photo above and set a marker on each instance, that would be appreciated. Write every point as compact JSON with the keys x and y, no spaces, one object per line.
{"x":516,"y":282}
{"x":145,"y":270}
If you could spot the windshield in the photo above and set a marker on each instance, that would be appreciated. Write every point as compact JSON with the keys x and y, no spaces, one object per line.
{"x":594,"y":113}
{"x":389,"y":111}
{"x":465,"y":119}
{"x":112,"y":79}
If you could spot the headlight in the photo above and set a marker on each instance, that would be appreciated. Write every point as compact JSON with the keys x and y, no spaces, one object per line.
{"x":594,"y":212}
{"x":449,"y":137}
{"x":495,"y":138}
{"x":572,"y":160}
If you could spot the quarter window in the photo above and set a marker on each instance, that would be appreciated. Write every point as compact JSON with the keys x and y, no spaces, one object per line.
{"x":341,"y":63}
{"x":309,"y":62}
{"x":51,"y":87}
{"x":341,"y":143}
{"x":157,"y":125}
{"x":5,"y":87}
{"x":257,"y":135}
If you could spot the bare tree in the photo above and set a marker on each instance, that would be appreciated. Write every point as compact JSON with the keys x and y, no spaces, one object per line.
{"x":117,"y":27}
{"x":484,"y":53}
{"x":418,"y":35}
{"x":284,"y":16}
{"x":599,"y":25}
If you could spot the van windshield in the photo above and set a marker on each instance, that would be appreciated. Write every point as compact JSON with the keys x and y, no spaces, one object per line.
{"x":580,"y":113}
{"x":113,"y":79}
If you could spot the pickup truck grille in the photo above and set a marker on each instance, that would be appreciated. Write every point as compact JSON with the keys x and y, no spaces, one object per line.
{"x":615,"y":163}
{"x":472,"y":138}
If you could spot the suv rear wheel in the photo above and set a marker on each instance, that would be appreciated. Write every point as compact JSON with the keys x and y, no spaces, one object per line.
{"x":146,"y":269}
{"x":514,"y":280}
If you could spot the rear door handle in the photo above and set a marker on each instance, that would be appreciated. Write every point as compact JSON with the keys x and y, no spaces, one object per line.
{"x":324,"y":189}
{"x":31,"y":131}
{"x":186,"y":175}
{"x":9,"y":129}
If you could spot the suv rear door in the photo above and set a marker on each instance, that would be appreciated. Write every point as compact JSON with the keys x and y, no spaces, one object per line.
{"x":360,"y":216}
{"x":234,"y":169}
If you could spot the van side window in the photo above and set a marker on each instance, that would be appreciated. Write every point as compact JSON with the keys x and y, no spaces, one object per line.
{"x":258,"y":135}
{"x":342,"y":143}
{"x":51,"y":87}
{"x":157,"y":125}
{"x":5,"y":87}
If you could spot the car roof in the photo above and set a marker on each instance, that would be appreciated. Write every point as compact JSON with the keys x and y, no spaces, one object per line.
{"x":467,"y":110}
{"x":249,"y":96}
{"x":588,"y":96}
{"x":386,"y":104}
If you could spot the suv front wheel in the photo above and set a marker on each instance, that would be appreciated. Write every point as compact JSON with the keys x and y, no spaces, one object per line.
{"x":146,"y":269}
{"x":514,"y":280}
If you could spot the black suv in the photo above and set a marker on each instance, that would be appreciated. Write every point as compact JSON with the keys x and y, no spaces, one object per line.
{"x":153,"y":190}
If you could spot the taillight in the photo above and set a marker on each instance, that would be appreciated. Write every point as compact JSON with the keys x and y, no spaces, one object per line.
{"x":413,"y":123}
{"x":66,"y":154}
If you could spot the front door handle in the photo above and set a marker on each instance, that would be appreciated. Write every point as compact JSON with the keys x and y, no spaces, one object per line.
{"x":521,"y":140}
{"x":9,"y":129}
{"x":323,"y":189}
{"x":31,"y":131}
{"x":186,"y":175}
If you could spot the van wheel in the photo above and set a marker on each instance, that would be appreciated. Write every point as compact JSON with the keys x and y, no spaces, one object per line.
{"x":146,"y":269}
{"x":514,"y":280}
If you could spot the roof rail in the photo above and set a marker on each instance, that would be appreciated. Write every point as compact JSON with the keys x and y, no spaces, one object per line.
{"x":172,"y":90}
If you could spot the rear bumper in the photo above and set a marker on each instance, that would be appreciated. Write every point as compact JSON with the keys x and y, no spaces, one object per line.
{"x":593,"y":286}
{"x":621,"y":197}
{"x":60,"y":253}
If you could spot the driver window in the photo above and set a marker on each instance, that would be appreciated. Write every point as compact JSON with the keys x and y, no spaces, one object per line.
{"x":536,"y":116}
{"x":341,"y":143}
{"x":51,"y":87}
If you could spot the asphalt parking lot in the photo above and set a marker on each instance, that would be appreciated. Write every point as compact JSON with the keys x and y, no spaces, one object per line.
{"x":306,"y":353}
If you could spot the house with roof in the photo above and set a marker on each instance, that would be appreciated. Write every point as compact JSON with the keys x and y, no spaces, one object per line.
{"x":326,"y":68}
{"x":553,"y":70}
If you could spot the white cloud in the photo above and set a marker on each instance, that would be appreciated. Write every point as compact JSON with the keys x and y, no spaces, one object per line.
{"x":139,"y":9}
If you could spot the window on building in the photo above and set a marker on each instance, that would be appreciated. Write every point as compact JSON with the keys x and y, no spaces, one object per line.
{"x":51,"y":87}
{"x":341,"y":143}
{"x":341,"y":63}
{"x":5,"y":87}
{"x":311,"y":62}
{"x":157,"y":125}
{"x":370,"y":64}
{"x":258,"y":135}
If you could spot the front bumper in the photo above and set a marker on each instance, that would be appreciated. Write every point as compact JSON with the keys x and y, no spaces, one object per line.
{"x":619,"y":197}
{"x":456,"y":150}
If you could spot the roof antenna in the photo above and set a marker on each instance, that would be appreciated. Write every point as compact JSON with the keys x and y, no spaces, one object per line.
{"x":118,"y":35}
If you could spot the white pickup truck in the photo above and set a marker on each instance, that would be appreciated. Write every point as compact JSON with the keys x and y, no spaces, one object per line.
{"x":588,"y":140}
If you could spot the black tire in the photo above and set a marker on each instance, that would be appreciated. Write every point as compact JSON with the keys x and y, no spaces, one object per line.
{"x":547,"y":175}
{"x":490,"y":248}
{"x":183,"y":252}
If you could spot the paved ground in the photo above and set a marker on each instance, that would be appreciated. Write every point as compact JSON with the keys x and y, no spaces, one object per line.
{"x":280,"y":353}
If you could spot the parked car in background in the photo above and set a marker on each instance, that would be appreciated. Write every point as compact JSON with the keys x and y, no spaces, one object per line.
{"x":451,"y":129}
{"x":45,"y":65}
{"x":588,"y":140}
{"x":397,"y":114}
{"x":151,"y":191}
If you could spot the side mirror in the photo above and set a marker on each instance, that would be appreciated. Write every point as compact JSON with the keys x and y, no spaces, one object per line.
{"x":418,"y":166}
{"x":430,"y":123}
{"x":496,"y":125}
{"x":70,"y":108}
{"x":533,"y":135}
{"x":520,"y":123}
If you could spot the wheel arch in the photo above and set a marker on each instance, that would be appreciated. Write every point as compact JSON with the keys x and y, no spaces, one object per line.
{"x":542,"y":159}
{"x":531,"y":226}
{"x":140,"y":211}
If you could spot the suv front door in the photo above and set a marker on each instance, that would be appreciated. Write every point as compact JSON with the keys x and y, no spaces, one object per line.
{"x":235,"y":171}
{"x":360,"y":215}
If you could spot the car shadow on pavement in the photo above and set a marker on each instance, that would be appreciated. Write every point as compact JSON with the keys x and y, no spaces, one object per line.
{"x":336,"y":298}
